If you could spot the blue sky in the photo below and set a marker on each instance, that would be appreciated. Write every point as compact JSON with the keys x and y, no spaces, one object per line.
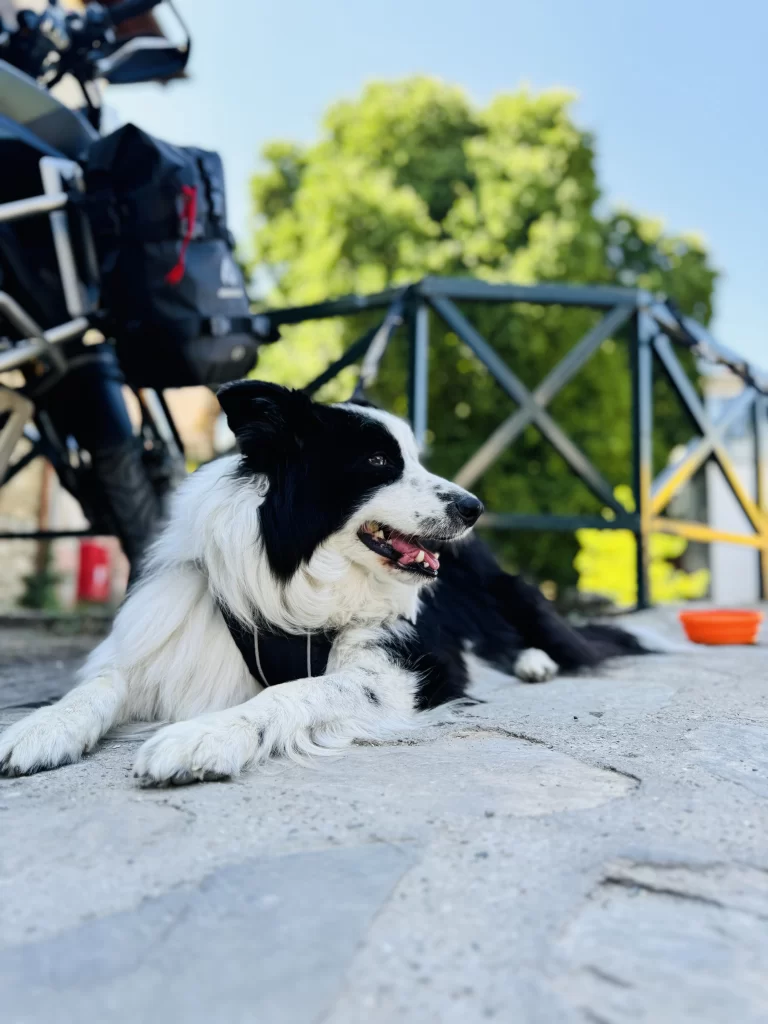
{"x":675,"y":92}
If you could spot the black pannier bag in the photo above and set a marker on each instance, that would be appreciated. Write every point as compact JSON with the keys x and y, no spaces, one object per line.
{"x":174,"y":294}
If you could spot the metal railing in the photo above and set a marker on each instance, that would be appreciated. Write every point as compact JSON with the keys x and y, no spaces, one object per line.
{"x":656,"y":329}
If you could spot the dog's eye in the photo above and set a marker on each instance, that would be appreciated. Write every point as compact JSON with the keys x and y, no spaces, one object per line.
{"x":378,"y":460}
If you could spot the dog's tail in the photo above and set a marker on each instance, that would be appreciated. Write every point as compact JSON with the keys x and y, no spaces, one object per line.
{"x":633,"y":638}
{"x":611,"y":641}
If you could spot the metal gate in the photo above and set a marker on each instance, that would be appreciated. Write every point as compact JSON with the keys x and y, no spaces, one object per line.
{"x":656,"y":332}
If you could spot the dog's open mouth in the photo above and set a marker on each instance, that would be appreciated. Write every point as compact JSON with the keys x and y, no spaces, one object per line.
{"x":405,"y":553}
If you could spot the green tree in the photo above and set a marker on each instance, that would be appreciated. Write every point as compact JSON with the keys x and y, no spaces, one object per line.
{"x":412,"y":179}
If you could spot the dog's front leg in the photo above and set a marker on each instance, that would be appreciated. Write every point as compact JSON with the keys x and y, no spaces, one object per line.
{"x":61,"y":734}
{"x":362,"y":700}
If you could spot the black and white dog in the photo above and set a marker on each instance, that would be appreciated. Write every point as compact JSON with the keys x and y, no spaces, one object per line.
{"x":324,"y":550}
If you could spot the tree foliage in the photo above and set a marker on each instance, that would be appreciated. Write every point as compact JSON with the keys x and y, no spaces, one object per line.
{"x":412,"y":179}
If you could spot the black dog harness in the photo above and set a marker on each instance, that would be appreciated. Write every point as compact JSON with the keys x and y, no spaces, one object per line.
{"x":275,"y":657}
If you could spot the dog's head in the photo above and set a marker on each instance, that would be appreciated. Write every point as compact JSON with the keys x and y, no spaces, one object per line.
{"x":344,"y":475}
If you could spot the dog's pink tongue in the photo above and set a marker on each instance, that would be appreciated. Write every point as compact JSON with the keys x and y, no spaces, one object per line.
{"x":409,"y":551}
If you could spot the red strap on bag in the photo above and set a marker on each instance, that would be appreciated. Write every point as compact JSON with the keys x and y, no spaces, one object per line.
{"x":188,"y":214}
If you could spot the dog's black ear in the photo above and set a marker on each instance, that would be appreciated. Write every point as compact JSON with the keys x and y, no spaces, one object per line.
{"x":262,"y":413}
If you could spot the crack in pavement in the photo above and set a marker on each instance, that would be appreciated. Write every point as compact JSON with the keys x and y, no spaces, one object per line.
{"x":603,"y":975}
{"x":661,"y":890}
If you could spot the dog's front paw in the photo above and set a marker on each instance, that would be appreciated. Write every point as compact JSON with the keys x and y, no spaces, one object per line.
{"x":48,"y":738}
{"x":197,"y":751}
{"x":535,"y":666}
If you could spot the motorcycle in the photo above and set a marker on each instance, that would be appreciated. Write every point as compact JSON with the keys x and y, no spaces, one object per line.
{"x":83,"y":244}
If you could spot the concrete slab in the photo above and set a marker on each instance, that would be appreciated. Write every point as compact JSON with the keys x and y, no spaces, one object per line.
{"x":671,"y":944}
{"x":591,"y":849}
{"x":234,"y":948}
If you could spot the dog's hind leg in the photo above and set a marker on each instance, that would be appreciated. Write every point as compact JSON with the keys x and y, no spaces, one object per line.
{"x":542,"y":630}
{"x":60,"y":734}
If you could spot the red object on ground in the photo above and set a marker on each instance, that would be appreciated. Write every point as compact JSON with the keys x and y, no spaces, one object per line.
{"x":93,"y":578}
{"x":721,"y":626}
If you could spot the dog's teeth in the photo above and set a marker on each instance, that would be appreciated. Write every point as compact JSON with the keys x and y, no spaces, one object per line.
{"x":419,"y":557}
{"x":379,"y":535}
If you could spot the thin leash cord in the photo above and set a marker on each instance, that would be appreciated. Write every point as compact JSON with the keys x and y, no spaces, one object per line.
{"x":258,"y":659}
{"x":258,"y":656}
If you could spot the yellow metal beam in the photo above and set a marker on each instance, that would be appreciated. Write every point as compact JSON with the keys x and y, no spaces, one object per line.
{"x":707,"y":535}
{"x":750,"y":509}
{"x":684,"y":473}
{"x":681,"y":475}
{"x":687,"y":469}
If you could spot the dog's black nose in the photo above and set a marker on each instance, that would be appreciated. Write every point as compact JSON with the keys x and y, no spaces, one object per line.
{"x":469,"y":508}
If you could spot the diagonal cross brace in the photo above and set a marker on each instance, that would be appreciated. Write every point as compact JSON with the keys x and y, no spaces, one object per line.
{"x":697,"y":451}
{"x":16,"y":410}
{"x":710,"y":444}
{"x":532,"y":405}
{"x":555,"y":381}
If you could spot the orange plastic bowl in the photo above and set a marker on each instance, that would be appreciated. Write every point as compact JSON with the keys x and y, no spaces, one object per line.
{"x":721,"y":626}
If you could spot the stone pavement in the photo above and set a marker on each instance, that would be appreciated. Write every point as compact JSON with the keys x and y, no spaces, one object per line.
{"x":593,"y":849}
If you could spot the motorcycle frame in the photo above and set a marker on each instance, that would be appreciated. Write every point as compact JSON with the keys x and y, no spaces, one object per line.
{"x":61,"y":180}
